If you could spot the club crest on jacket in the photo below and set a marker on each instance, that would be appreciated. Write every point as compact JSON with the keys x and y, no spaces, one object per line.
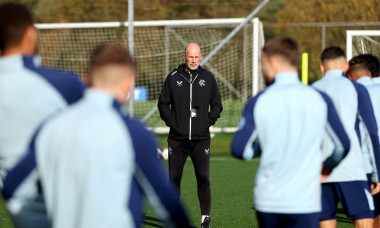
{"x":202,"y":83}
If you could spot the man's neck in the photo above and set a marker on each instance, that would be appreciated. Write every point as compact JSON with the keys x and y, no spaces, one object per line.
{"x":16,"y":50}
{"x":11,"y":51}
{"x":286,"y":71}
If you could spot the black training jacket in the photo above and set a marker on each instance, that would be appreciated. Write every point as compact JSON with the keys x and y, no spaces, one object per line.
{"x":183,"y":91}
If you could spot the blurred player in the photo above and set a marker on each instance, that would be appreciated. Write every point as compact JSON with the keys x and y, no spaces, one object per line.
{"x":26,"y":99}
{"x":189,"y":104}
{"x":94,"y":162}
{"x":361,"y":70}
{"x":348,"y":182}
{"x":285,"y":124}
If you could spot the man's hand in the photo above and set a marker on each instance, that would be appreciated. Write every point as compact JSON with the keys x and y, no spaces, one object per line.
{"x":325,"y":173}
{"x":375,"y":188}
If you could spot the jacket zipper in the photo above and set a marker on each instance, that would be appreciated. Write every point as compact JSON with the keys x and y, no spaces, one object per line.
{"x":191,"y":98}
{"x":191,"y":101}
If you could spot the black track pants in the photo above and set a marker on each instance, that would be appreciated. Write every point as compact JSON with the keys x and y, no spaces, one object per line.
{"x":199,"y":152}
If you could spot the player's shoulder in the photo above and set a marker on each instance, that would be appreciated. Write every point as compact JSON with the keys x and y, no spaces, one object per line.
{"x":324,"y":96}
{"x":175,"y":72}
{"x":253,"y":100}
{"x":375,"y":88}
{"x":58,"y":74}
{"x":140,"y":135}
{"x":135,"y":127}
{"x":319,"y":82}
{"x":360,"y":89}
{"x":55,"y":121}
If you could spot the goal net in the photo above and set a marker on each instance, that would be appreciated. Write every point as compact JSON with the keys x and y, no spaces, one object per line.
{"x":363,"y":42}
{"x":158,"y":49}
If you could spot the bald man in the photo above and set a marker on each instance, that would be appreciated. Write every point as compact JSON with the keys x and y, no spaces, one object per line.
{"x":189,"y":104}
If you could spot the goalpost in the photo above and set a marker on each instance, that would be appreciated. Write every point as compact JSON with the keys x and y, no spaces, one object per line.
{"x":363,"y":42}
{"x":158,"y":48}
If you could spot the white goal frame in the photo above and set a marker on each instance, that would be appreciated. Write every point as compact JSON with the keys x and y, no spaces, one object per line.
{"x":257,"y":35}
{"x":192,"y":22}
{"x":352,"y":33}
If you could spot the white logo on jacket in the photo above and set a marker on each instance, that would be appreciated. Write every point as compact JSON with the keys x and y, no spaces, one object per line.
{"x":202,"y":83}
{"x":179,"y":83}
{"x":207,"y":151}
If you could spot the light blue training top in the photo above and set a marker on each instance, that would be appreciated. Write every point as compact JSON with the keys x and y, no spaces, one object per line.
{"x":376,"y":79}
{"x":28,"y":94}
{"x":353,"y":105}
{"x":95,"y":164}
{"x":285,"y":124}
{"x":369,"y":133}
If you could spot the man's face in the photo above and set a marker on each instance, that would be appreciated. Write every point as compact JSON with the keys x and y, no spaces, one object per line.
{"x":192,"y":57}
{"x":267,"y":69}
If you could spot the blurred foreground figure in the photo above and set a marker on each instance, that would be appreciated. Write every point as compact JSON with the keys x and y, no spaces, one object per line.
{"x":28,"y":94}
{"x":285,"y":125}
{"x":348,"y":184}
{"x":94,"y":162}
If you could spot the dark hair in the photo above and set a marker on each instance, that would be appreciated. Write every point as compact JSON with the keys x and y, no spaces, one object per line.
{"x":106,"y":54}
{"x":14,"y":21}
{"x":285,"y":47}
{"x":370,"y":62}
{"x":332,"y":52}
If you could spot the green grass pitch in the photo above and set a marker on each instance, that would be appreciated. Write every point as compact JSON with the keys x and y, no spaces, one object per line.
{"x":231,"y":188}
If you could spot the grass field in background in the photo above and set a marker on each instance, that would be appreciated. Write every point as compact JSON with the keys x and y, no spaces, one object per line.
{"x":230,"y":116}
{"x":231,"y":188}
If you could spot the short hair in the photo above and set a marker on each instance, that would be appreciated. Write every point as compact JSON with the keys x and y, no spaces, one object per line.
{"x":356,"y":68}
{"x":283,"y":46}
{"x":14,"y":21}
{"x":331,"y":53}
{"x":106,"y":54}
{"x":369,"y":61}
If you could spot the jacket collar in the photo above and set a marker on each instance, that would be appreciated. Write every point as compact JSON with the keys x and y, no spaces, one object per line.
{"x":333,"y":74}
{"x":11,"y":62}
{"x":100,"y":97}
{"x":286,"y":78}
{"x":182,"y":69}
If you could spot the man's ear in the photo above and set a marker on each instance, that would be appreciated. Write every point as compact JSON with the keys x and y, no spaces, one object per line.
{"x":323,"y":69}
{"x":29,"y":42}
{"x":184,"y":56}
{"x":129,"y":82}
{"x":274,"y":63}
{"x":350,"y":77}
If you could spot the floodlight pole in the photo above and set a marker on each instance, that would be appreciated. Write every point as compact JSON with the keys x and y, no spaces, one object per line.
{"x":131,"y":47}
{"x":233,"y":33}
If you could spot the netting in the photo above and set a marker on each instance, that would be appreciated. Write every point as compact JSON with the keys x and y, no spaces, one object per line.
{"x":158,"y":50}
{"x":366,"y":45}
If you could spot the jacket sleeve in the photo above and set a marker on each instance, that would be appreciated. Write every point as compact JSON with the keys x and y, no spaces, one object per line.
{"x":367,"y":116}
{"x":245,"y":144}
{"x":337,"y":134}
{"x":151,"y":177}
{"x":164,"y":102}
{"x":215,"y":103}
{"x":22,"y":171}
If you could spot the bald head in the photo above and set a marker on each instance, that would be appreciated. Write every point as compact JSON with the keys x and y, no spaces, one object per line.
{"x":192,"y":56}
